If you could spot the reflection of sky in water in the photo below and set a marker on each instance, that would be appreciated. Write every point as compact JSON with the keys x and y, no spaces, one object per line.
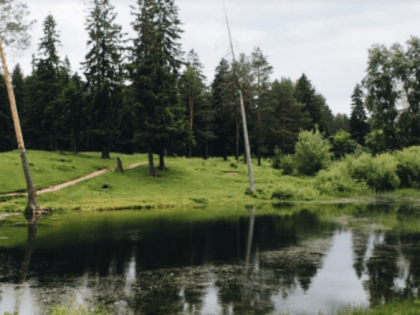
{"x":335,"y":283}
{"x":83,"y":293}
{"x":211,"y":303}
{"x":17,"y":298}
{"x":130,"y":274}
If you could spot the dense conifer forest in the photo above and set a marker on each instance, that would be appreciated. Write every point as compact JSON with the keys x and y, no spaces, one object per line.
{"x":146,"y":94}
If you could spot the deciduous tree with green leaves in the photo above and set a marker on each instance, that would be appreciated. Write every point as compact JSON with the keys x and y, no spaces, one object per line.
{"x":382,"y":94}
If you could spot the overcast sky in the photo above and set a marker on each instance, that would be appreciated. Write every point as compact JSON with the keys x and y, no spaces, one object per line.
{"x":326,"y":40}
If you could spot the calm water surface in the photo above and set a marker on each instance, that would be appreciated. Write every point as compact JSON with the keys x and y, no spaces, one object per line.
{"x":258,"y":264}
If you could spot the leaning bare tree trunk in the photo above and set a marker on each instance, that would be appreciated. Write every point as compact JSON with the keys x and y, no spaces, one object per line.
{"x":32,"y":199}
{"x":247,"y":149}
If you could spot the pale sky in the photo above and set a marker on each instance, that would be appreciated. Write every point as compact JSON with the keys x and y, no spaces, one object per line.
{"x":327,"y":40}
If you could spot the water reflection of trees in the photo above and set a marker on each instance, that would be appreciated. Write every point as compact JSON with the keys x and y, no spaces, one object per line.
{"x":171,"y":266}
{"x":390,"y":260}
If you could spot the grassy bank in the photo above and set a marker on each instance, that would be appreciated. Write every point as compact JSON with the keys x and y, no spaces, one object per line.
{"x":51,"y":168}
{"x":188,"y":182}
{"x":393,"y":308}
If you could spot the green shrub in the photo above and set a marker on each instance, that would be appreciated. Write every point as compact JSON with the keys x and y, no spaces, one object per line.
{"x":379,"y":172}
{"x":287,"y":164}
{"x":337,"y":180}
{"x":295,"y":191}
{"x":312,"y":152}
{"x":376,"y":142}
{"x":283,"y":193}
{"x":343,"y":144}
{"x":408,"y":168}
{"x":276,"y":161}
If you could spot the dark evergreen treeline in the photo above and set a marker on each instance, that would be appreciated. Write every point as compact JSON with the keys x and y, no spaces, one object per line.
{"x":146,"y":95}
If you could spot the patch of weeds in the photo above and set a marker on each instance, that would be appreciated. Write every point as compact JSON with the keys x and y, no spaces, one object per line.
{"x":249,"y":192}
{"x":61,"y":160}
{"x":282,"y":205}
{"x":64,"y":168}
{"x":98,"y":167}
{"x":106,"y":186}
{"x":7,"y":198}
{"x":233,"y":165}
{"x":283,"y":193}
{"x":200,"y":200}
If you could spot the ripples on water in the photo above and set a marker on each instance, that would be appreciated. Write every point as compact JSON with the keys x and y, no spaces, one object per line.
{"x":296,"y":262}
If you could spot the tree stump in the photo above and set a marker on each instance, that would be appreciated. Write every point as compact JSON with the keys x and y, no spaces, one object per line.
{"x":119,"y":165}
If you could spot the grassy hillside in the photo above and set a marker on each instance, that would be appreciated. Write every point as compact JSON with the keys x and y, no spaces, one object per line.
{"x":187,"y":182}
{"x":51,"y":168}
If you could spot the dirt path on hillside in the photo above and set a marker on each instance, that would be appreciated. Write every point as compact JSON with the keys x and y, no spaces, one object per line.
{"x":74,"y":181}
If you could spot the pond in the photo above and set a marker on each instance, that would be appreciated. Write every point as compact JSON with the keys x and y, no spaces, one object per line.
{"x":284,"y":260}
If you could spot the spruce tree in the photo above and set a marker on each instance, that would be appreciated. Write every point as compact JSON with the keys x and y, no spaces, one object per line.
{"x":43,"y":120}
{"x":359,"y":126}
{"x":18,"y":83}
{"x":7,"y":140}
{"x":193,"y":90}
{"x":103,"y":72}
{"x":262,"y":71}
{"x":154,"y":67}
{"x":305,"y":94}
{"x":72,"y":102}
{"x":287,"y":116}
{"x":225,"y":113}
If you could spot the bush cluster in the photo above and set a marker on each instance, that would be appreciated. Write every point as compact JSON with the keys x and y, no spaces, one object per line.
{"x":312,"y":152}
{"x":356,"y":173}
{"x":294,"y":191}
{"x":287,"y":164}
{"x":276,"y":161}
{"x":337,"y":180}
{"x":408,"y":168}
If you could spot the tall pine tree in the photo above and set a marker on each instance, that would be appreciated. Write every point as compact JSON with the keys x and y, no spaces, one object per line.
{"x":154,"y":69}
{"x":262,"y":71}
{"x":103,"y":72}
{"x":222,"y":101}
{"x":7,"y":140}
{"x":359,"y":126}
{"x":287,"y":116}
{"x":306,"y":95}
{"x":193,"y":90}
{"x":42,"y":119}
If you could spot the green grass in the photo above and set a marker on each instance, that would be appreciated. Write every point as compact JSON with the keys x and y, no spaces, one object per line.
{"x":188,"y":182}
{"x":392,"y":308}
{"x":51,"y":168}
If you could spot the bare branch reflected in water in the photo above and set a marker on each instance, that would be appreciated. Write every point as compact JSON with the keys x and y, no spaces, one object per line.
{"x":248,"y":254}
{"x":32,"y":218}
